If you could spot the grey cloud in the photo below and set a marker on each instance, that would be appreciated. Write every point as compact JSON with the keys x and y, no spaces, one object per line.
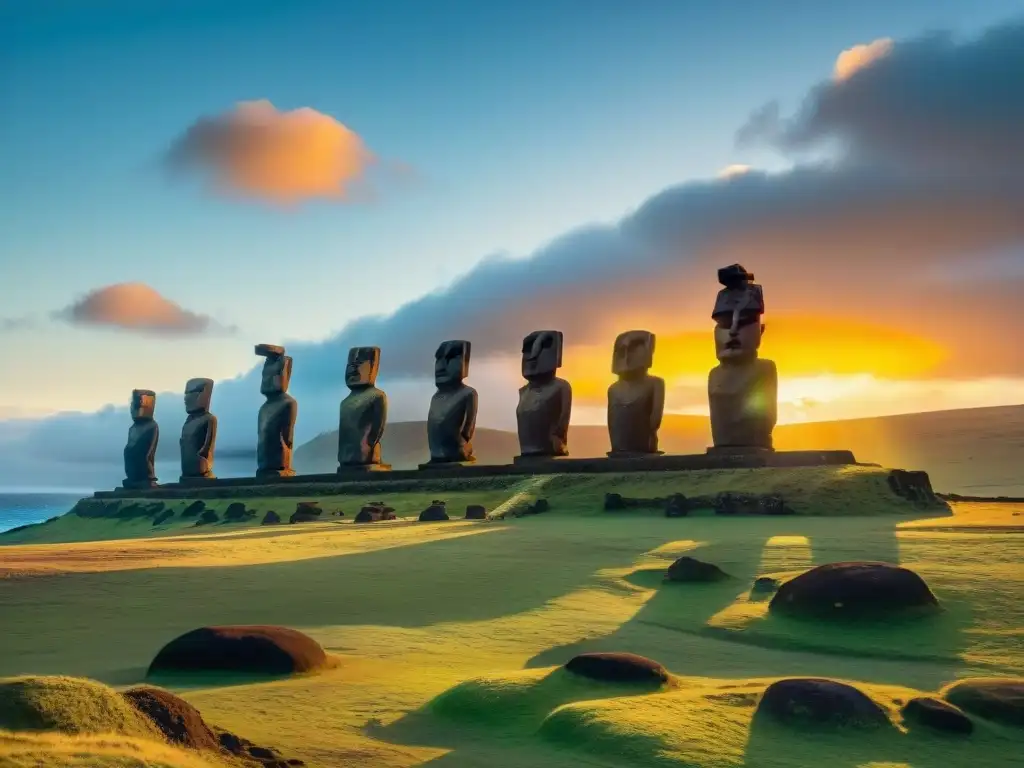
{"x":932,"y":102}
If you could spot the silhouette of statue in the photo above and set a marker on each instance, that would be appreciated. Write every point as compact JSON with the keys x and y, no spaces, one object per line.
{"x":545,"y":402}
{"x":276,"y":425}
{"x":742,"y":388}
{"x":636,"y":402}
{"x":451,"y":420}
{"x":143,"y":436}
{"x":363,"y":413}
{"x":199,"y":432}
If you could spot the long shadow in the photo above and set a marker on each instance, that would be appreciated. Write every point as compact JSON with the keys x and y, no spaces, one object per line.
{"x":104,"y":624}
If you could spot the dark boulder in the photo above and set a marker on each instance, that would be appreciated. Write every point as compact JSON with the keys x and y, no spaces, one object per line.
{"x":690,"y":569}
{"x":309,"y":507}
{"x":855,"y":590}
{"x":731,"y":503}
{"x":208,"y":517}
{"x":539,"y":506}
{"x":194,"y":509}
{"x":266,"y":650}
{"x":476,"y":512}
{"x":914,"y":486}
{"x":764,"y":585}
{"x":434,"y":513}
{"x":373,"y":513}
{"x":677,"y":506}
{"x":936,"y":714}
{"x":614,"y":501}
{"x":163,"y":517}
{"x":805,"y":701}
{"x":271,"y":518}
{"x":618,"y":668}
{"x":237,"y":513}
{"x":177,"y":720}
{"x":304,"y":516}
{"x":994,"y":698}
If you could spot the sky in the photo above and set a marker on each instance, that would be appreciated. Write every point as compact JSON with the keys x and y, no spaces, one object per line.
{"x":183,"y":180}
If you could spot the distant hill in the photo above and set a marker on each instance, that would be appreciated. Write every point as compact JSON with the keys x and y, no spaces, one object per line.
{"x":972,"y":451}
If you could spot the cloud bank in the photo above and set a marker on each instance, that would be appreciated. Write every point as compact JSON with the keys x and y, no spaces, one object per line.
{"x":257,"y":151}
{"x":907,"y":227}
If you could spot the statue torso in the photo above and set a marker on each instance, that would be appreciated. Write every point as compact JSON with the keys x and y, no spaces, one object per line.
{"x":195,"y":452}
{"x":631,"y":404}
{"x":445,"y":419}
{"x":140,"y":449}
{"x":276,"y":420}
{"x":741,"y":397}
{"x":360,"y":420}
{"x":539,"y":416}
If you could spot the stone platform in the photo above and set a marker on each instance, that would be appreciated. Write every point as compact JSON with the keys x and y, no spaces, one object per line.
{"x":305,"y":484}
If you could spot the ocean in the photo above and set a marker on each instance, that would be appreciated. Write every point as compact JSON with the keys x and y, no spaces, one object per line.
{"x":25,"y":506}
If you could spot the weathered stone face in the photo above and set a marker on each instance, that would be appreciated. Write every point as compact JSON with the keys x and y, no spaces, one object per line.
{"x":542,"y":353}
{"x":198,"y":395}
{"x":737,"y":336}
{"x":362,"y":366}
{"x":451,"y":362}
{"x":277,"y":370}
{"x":143,"y":404}
{"x":633,"y":353}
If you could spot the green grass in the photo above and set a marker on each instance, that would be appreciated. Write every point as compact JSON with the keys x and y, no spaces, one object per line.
{"x":828,"y":491}
{"x":449,"y":634}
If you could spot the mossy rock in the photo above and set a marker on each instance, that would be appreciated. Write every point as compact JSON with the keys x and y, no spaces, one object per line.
{"x":261,"y":650}
{"x":690,"y":569}
{"x":618,"y":668}
{"x":175,"y":718}
{"x":808,"y":701}
{"x":194,"y":509}
{"x":855,"y":590}
{"x":1000,"y":699}
{"x":936,"y":714}
{"x":69,"y":705}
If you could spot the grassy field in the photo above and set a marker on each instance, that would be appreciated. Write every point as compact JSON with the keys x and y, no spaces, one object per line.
{"x":450,"y":635}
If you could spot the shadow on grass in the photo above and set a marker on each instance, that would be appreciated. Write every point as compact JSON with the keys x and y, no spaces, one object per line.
{"x":687,"y":627}
{"x":772,"y":746}
{"x":51,"y":624}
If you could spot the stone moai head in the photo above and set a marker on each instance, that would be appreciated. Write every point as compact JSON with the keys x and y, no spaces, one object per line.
{"x":542,"y":353}
{"x":633,"y":354}
{"x":198,"y":394}
{"x":143,"y":404}
{"x":451,"y":362}
{"x":277,"y":370}
{"x":737,"y":315}
{"x":361,"y":368}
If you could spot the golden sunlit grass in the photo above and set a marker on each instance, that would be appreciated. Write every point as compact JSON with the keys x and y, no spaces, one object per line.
{"x":448,"y":644}
{"x":50,"y":750}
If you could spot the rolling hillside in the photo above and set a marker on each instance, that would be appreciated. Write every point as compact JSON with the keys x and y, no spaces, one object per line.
{"x":972,"y":451}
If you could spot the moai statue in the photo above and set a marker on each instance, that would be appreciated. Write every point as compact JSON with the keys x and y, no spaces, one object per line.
{"x":545,"y":402}
{"x":636,"y":402}
{"x":451,"y":421}
{"x":199,"y":433}
{"x":363,"y":413}
{"x":742,"y":388}
{"x":276,"y":426}
{"x":143,"y":436}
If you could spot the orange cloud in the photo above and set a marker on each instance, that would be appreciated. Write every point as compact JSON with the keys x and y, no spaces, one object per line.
{"x":135,"y":307}
{"x":802,"y":346}
{"x":286,"y":157}
{"x":860,"y":56}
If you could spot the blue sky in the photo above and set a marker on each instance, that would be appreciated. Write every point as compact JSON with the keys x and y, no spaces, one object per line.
{"x":521,"y":120}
